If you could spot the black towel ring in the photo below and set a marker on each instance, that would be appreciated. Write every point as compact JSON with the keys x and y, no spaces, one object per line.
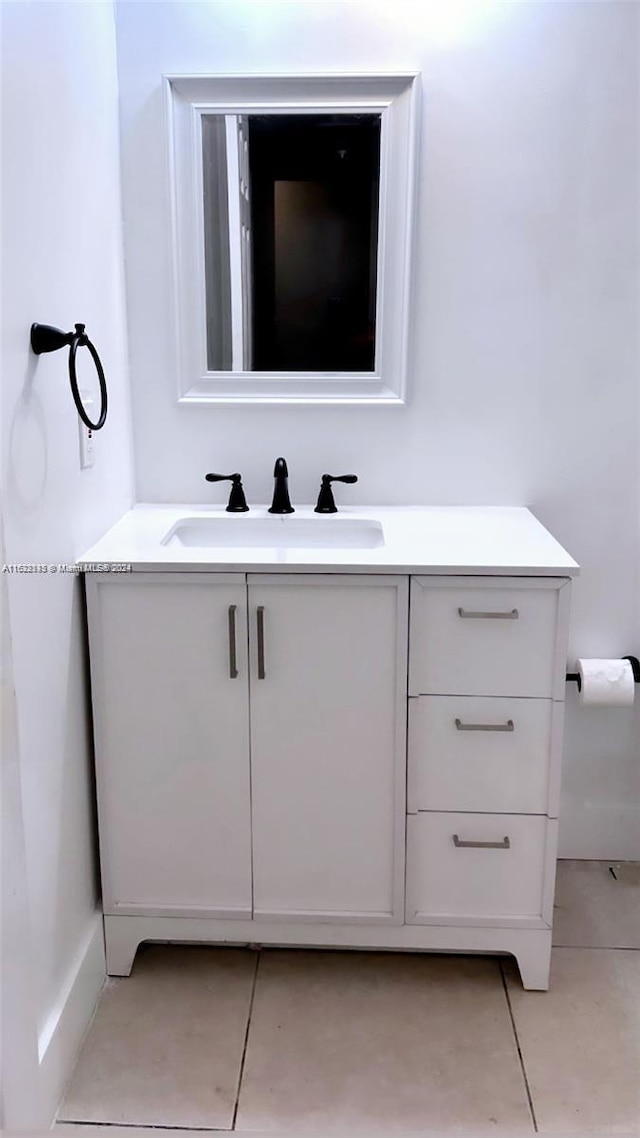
{"x":46,"y":338}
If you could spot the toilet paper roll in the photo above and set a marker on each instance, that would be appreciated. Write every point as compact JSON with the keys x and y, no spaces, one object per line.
{"x":606,"y":683}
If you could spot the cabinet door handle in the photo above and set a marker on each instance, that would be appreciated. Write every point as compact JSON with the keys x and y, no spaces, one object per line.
{"x":233,"y":661}
{"x":508,"y":726}
{"x":260,"y":623}
{"x":505,"y":844}
{"x":466,"y":614}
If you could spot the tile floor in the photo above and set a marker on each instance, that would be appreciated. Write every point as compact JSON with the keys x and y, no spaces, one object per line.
{"x":371,"y":1043}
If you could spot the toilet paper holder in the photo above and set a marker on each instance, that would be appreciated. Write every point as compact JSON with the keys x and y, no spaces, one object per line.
{"x":574,"y":677}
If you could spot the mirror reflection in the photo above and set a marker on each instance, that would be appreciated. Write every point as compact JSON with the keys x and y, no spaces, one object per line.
{"x":291,"y":205}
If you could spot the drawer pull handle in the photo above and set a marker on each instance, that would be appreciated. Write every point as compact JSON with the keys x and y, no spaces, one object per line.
{"x":233,"y":662}
{"x":466,"y":614}
{"x":505,"y":844}
{"x":260,"y":622}
{"x":508,"y":726}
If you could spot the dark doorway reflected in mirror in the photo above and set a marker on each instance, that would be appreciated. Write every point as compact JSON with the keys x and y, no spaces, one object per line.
{"x":291,"y":205}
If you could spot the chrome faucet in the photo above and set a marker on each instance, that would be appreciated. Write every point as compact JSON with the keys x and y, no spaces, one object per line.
{"x":281,"y":503}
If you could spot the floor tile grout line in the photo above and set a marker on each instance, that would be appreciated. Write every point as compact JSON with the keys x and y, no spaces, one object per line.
{"x":142,"y":1126}
{"x":520,"y":1055}
{"x":246,"y":1039}
{"x":601,"y":947}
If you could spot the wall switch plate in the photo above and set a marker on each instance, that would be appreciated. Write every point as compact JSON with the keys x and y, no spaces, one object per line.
{"x":86,"y":434}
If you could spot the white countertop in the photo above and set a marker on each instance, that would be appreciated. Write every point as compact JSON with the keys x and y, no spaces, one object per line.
{"x":478,"y":540}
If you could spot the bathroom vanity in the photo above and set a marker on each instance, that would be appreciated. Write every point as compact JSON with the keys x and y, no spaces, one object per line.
{"x":340,"y":731}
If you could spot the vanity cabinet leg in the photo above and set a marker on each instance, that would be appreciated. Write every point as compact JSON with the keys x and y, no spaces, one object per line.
{"x":534,"y":961}
{"x":121,"y":944}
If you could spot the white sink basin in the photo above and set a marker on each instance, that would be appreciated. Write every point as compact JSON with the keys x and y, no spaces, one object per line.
{"x":288,"y":532}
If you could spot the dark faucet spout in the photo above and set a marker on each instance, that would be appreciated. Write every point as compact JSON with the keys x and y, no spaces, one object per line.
{"x":281,"y":503}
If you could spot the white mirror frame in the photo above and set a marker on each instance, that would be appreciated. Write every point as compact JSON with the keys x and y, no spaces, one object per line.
{"x":395,"y":98}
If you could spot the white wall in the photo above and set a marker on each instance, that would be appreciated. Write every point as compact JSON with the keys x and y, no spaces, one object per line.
{"x":62,"y":263}
{"x":19,"y":1050}
{"x":524,"y":360}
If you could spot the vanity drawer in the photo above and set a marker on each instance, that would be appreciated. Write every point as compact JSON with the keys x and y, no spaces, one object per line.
{"x":448,"y":881}
{"x":498,"y":639}
{"x":480,"y":753}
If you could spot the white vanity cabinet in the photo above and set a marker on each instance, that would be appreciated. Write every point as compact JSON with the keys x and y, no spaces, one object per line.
{"x":357,"y":748}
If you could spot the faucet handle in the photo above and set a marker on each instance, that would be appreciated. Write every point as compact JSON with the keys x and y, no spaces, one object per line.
{"x":237,"y":500}
{"x":326,"y":502}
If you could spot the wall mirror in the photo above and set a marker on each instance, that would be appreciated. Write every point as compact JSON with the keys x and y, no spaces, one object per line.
{"x":292,"y":201}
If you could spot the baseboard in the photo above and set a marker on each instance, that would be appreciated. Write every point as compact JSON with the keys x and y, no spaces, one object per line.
{"x":60,"y":1038}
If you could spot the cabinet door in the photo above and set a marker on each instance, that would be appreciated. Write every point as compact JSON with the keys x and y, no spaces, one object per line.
{"x":328,"y":722}
{"x":172,"y":743}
